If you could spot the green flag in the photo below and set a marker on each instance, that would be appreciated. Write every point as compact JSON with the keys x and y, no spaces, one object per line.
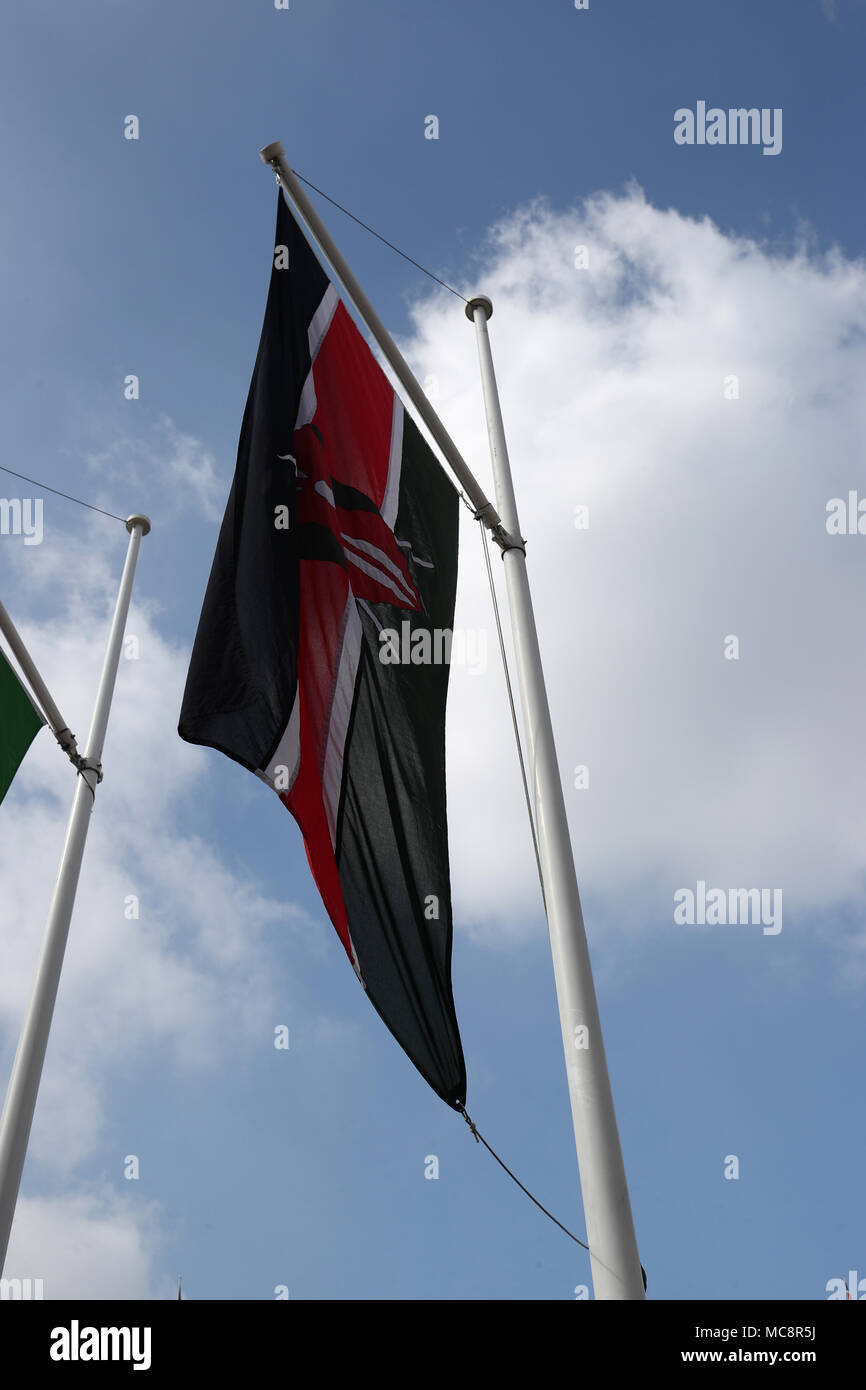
{"x":19,"y":724}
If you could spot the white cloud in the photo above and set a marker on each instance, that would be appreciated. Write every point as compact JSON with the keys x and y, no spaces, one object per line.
{"x":707,"y":517}
{"x":189,"y":467}
{"x":177,"y":467}
{"x":89,"y":1245}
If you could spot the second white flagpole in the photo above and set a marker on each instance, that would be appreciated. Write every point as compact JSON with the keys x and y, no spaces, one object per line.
{"x":23,"y":1088}
{"x":616,"y":1268}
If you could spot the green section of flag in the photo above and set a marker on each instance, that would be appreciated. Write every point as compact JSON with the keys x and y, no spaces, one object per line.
{"x":19,"y":724}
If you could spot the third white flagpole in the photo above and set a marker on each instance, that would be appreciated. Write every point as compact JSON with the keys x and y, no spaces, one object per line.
{"x":27,"y":1068}
{"x":616,"y":1268}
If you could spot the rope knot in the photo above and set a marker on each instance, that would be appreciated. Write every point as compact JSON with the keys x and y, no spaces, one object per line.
{"x":474,"y":1131}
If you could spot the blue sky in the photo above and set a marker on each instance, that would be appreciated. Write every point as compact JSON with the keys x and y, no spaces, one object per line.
{"x":306,"y":1169}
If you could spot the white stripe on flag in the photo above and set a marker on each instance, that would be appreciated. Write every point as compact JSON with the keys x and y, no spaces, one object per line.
{"x":288,"y":754}
{"x":397,"y":584}
{"x":340,"y":713}
{"x":319,"y":325}
{"x":391,"y":497}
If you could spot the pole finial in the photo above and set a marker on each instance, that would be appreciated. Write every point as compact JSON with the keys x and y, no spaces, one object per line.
{"x":138,"y":519}
{"x":271,"y":152}
{"x":479,"y":301}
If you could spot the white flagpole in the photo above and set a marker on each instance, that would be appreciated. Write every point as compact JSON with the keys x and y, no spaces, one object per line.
{"x":47,"y":708}
{"x":21,"y":1095}
{"x":616,"y":1269}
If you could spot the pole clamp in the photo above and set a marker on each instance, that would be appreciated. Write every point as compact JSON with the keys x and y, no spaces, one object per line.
{"x":66,"y":738}
{"x":507,"y":542}
{"x":88,"y":765}
{"x":504,"y":539}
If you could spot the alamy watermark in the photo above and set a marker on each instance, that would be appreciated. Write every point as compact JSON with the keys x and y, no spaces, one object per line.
{"x":853,"y":1288}
{"x":77,"y":1343}
{"x":22,"y":516}
{"x":436,"y":646}
{"x":846,"y":518}
{"x":23,"y":1290}
{"x":736,"y":126}
{"x":729,"y":907}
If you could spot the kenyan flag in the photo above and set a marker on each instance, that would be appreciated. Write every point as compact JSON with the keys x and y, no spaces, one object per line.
{"x":19,"y":724}
{"x":337,"y":558}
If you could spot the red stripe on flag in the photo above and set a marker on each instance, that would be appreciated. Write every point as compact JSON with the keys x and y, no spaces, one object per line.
{"x":350,"y":442}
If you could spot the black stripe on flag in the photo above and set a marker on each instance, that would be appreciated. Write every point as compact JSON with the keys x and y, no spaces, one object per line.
{"x":243,"y":672}
{"x":392,"y":839}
